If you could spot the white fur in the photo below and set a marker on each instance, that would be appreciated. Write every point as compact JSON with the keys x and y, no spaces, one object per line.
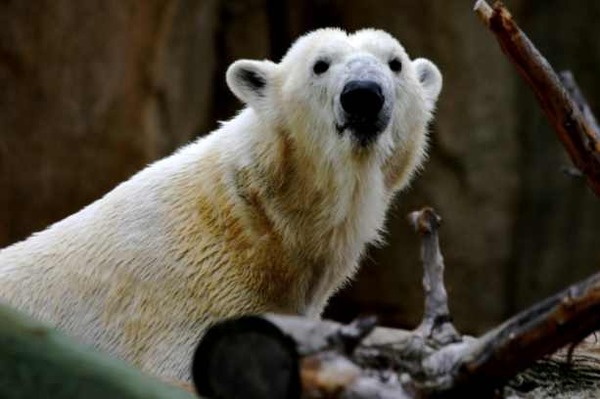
{"x":269,"y":213}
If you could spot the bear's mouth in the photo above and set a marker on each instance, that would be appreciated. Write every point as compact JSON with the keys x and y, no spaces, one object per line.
{"x":363,"y":131}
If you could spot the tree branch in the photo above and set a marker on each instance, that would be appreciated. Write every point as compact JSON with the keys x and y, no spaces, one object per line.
{"x":567,"y":317}
{"x":576,"y":131}
{"x":436,"y":325}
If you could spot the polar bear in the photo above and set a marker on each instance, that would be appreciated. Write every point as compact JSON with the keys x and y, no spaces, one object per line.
{"x":269,"y":213}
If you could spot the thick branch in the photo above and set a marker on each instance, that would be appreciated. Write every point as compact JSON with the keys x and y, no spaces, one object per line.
{"x":577,"y":134}
{"x":567,"y":317}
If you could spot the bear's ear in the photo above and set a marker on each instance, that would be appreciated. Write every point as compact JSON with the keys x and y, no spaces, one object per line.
{"x":249,"y":80}
{"x":430,"y":78}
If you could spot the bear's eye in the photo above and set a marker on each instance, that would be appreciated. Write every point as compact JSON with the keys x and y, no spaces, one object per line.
{"x":320,"y":67}
{"x":395,"y":65}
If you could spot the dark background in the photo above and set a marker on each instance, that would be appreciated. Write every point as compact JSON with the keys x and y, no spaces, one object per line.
{"x":92,"y":91}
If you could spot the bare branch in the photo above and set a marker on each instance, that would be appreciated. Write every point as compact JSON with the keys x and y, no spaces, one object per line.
{"x":437,"y":322}
{"x":577,"y":134}
{"x":566,"y":317}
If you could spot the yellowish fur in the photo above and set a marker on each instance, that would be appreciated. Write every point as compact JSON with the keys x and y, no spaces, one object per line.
{"x":269,"y":213}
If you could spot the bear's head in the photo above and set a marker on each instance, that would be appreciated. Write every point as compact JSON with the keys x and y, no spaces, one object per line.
{"x":337,"y":92}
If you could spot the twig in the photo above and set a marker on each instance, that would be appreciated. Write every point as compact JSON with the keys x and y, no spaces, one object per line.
{"x":437,"y":322}
{"x":568,"y":80}
{"x":348,"y":337}
{"x":578,"y":135}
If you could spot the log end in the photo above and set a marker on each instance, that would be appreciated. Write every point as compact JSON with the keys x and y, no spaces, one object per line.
{"x":246,"y":357}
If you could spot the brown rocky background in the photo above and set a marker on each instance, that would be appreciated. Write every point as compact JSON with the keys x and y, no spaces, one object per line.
{"x":92,"y":91}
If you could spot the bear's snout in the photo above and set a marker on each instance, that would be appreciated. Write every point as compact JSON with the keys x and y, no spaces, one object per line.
{"x":362,"y":102}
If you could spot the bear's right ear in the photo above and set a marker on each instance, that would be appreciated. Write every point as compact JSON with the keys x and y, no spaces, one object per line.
{"x":430,"y":78}
{"x":249,"y":80}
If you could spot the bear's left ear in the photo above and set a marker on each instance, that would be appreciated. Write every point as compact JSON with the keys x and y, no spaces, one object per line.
{"x":430,"y":78}
{"x":249,"y":80}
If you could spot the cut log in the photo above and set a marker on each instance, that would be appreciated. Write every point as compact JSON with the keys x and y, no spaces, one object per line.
{"x":247,"y":357}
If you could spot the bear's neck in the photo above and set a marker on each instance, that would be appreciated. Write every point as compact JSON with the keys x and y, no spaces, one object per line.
{"x":316,"y":205}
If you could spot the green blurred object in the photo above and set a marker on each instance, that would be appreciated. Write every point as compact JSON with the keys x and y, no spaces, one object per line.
{"x":38,"y":362}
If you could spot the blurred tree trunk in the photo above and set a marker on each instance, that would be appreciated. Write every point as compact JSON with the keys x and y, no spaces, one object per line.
{"x":90,"y":92}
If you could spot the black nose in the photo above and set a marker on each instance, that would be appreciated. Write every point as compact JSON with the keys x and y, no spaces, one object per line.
{"x":362,"y":99}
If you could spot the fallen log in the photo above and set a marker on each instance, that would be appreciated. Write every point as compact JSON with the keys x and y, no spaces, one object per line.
{"x":296,"y":357}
